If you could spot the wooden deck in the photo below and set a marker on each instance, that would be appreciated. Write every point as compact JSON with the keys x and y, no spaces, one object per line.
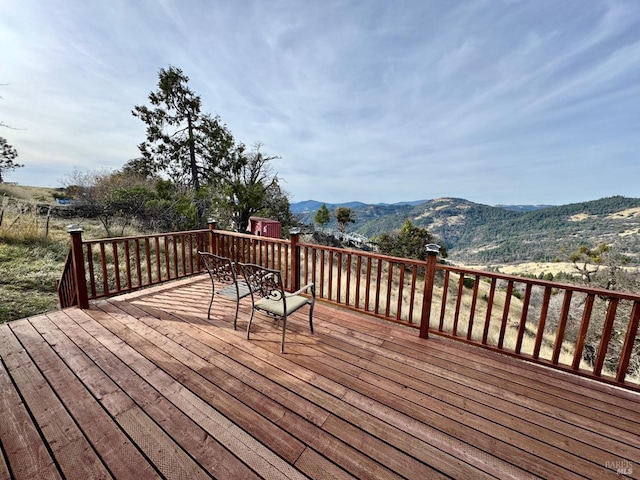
{"x":144,"y":386}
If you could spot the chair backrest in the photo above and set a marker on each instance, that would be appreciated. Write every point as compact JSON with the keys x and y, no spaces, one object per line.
{"x":219,"y":268}
{"x":262,"y":281}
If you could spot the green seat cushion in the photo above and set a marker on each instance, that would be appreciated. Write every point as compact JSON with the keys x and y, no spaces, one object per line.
{"x":230,"y":290}
{"x":276,"y":307}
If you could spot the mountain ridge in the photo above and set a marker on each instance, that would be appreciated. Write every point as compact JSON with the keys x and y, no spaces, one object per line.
{"x":480,"y":234}
{"x":306,"y":206}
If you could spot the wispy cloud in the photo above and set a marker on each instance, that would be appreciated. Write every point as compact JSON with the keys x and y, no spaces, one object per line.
{"x":498,"y":102}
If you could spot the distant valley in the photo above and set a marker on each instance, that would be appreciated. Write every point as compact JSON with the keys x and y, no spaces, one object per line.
{"x":482,"y":234}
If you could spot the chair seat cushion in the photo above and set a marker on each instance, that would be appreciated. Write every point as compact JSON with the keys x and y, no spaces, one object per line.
{"x":230,"y":290}
{"x":276,"y":307}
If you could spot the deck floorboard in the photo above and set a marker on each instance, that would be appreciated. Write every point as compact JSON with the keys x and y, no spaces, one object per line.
{"x":143,"y":385}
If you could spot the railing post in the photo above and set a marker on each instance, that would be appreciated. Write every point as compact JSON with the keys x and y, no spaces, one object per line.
{"x":77,"y":260}
{"x":294,"y":235}
{"x":213,"y":247}
{"x":429,"y":278}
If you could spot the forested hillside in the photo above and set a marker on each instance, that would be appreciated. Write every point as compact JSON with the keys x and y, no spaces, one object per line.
{"x":481,"y":234}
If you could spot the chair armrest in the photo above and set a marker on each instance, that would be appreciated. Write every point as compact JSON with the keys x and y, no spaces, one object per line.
{"x":303,"y":289}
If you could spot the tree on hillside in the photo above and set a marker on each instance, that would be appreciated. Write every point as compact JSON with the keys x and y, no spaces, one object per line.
{"x":8,"y":154}
{"x":277,"y":206}
{"x":182,"y":142}
{"x":605,"y":267}
{"x":122,"y":197}
{"x":322,"y":217}
{"x":114,"y":198}
{"x":344,"y":215}
{"x":250,"y":187}
{"x":587,"y":261}
{"x":196,"y":151}
{"x":409,"y":242}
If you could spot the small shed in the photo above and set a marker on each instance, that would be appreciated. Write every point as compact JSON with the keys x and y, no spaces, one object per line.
{"x":264,"y":227}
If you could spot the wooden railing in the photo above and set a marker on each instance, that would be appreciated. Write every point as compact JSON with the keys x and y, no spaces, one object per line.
{"x":587,"y":331}
{"x":111,"y":266}
{"x":66,"y":285}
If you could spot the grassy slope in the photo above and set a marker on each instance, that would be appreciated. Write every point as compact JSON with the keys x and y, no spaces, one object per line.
{"x":29,"y":272}
{"x":30,"y":262}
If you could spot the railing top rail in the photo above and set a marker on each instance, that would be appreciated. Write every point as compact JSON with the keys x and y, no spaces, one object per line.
{"x":151,"y":235}
{"x":421,"y":263}
{"x":251,"y":236}
{"x":602,"y":292}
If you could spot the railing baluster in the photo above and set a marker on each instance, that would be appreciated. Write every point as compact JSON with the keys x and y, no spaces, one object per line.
{"x":116,"y":266}
{"x":474,"y":301}
{"x":367,"y":288}
{"x":105,"y":277}
{"x":128,"y":264}
{"x":158,"y":263}
{"x":314,"y":267}
{"x":584,"y":328}
{"x":359,"y":275}
{"x":414,"y":279}
{"x":400,"y":292}
{"x":176,"y":260}
{"x":456,"y":316}
{"x":147,"y":254}
{"x":183,"y":255}
{"x":191,"y":252}
{"x":389,"y":288}
{"x":339,"y":279}
{"x":330,"y":266}
{"x":505,"y":313}
{"x":606,"y":336}
{"x":348,"y":286}
{"x":523,"y":318}
{"x":322,"y":274}
{"x":286,"y":256}
{"x":378,"y":282}
{"x":487,"y":320}
{"x":629,"y":341}
{"x":544,"y":309}
{"x":443,"y":308}
{"x":138,"y":262}
{"x":92,"y":276}
{"x":562,"y":325}
{"x":167,"y":257}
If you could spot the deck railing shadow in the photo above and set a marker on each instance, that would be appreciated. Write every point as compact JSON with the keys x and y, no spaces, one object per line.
{"x":586,"y":331}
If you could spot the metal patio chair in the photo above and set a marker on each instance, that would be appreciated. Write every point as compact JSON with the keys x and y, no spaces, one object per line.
{"x":268,"y":295}
{"x":222,"y":270}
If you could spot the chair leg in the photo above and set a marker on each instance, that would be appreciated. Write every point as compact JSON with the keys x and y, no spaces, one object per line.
{"x":311,"y":317}
{"x":284,"y":327}
{"x":213,"y":292}
{"x":249,"y":325}
{"x":235,"y":320}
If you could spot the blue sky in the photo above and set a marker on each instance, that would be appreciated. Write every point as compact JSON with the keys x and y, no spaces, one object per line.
{"x":494,"y":101}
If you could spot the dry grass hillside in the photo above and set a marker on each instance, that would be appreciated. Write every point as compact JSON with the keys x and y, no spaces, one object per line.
{"x":29,"y":194}
{"x":33,"y":249}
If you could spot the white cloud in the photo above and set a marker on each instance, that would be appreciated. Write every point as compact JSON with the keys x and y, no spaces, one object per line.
{"x":498,"y":102}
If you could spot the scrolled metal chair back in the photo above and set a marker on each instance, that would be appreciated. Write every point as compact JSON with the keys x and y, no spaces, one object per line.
{"x":264,"y":282}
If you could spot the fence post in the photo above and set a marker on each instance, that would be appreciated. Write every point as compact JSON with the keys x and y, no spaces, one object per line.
{"x":294,"y":235}
{"x":429,"y":278}
{"x":213,"y":247}
{"x":77,"y":260}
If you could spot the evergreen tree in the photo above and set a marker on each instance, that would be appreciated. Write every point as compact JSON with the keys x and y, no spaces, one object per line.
{"x":409,"y":242}
{"x":186,"y":144}
{"x":8,"y":154}
{"x":250,"y":188}
{"x":322,"y":217}
{"x":344,"y":215}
